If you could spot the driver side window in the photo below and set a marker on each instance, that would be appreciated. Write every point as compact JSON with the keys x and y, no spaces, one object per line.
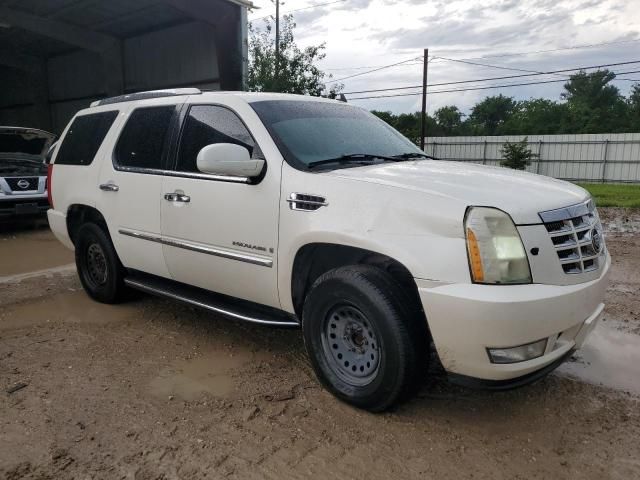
{"x":209,"y":124}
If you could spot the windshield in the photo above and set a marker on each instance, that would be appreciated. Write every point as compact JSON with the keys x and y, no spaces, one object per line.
{"x":309,"y":131}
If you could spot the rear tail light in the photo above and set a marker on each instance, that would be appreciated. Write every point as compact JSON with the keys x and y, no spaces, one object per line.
{"x":48,"y":185}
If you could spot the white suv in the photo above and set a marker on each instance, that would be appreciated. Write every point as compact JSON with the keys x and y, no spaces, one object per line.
{"x":298,"y":211}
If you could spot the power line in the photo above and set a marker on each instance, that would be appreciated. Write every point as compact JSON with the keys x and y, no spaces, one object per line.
{"x":484,"y":65}
{"x":316,"y":6}
{"x":371,"y":71}
{"x":496,"y":78}
{"x":303,"y":8}
{"x":499,"y":67}
{"x":531,"y":72}
{"x":514,"y":54}
{"x":533,"y":52}
{"x":369,"y":66}
{"x":475,"y":88}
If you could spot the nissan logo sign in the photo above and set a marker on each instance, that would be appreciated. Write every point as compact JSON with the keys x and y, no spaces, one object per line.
{"x":23,"y":183}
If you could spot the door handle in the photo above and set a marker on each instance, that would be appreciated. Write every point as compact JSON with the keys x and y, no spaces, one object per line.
{"x":177,"y":197}
{"x":109,"y":187}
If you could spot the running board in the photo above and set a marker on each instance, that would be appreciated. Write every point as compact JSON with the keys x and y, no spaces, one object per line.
{"x":228,"y":306}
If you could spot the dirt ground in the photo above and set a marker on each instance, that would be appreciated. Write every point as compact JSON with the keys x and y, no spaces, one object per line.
{"x":153,"y":389}
{"x":29,"y":247}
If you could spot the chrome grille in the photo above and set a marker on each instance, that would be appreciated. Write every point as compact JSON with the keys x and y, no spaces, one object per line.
{"x":576,"y":234}
{"x":22,"y":184}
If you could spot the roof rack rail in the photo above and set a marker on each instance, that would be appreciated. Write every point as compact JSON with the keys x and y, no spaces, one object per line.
{"x":145,"y":95}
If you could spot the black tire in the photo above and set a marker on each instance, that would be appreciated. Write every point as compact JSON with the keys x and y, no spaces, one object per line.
{"x":99,"y":268}
{"x":384,"y":367}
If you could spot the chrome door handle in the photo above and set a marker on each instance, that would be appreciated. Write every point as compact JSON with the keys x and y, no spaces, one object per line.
{"x":177,"y":197}
{"x":109,"y":187}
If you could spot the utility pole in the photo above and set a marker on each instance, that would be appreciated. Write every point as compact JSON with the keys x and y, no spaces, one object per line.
{"x":423,"y":119}
{"x":277,"y":34}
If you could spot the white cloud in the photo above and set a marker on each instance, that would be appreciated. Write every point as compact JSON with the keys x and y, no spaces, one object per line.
{"x":380,"y":32}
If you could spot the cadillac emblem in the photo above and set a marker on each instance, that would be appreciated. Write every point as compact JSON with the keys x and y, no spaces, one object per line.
{"x":596,"y":240}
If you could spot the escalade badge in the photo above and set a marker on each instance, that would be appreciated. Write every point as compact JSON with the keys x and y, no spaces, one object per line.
{"x":23,"y":183}
{"x":596,"y":240}
{"x":251,"y":247}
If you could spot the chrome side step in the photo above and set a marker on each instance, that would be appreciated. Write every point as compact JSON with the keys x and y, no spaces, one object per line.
{"x":214,"y":302}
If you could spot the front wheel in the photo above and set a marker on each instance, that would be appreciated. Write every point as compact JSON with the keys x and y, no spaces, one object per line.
{"x":357,"y":327}
{"x":99,"y":269}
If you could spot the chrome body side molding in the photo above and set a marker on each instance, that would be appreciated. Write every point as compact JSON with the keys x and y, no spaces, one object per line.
{"x":172,"y":173}
{"x":195,"y":247}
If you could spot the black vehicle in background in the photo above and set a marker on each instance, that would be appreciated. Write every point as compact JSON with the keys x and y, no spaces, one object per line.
{"x":23,"y":171}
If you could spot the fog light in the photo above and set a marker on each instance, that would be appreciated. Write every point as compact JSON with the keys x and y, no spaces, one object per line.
{"x":518,"y":354}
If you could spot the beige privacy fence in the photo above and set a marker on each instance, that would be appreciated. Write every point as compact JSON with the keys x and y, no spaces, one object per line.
{"x":603,"y":157}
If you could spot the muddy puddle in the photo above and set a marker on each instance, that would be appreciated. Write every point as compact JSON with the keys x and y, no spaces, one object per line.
{"x":45,"y":273}
{"x":27,"y":251}
{"x":210,"y":374}
{"x":620,"y":220}
{"x":68,"y":307}
{"x":609,"y":357}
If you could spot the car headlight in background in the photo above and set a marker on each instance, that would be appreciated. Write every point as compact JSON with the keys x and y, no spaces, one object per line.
{"x":495,"y":250}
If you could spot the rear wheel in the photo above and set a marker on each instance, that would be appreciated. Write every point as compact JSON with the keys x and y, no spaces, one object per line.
{"x":99,"y":269}
{"x":360,"y":334}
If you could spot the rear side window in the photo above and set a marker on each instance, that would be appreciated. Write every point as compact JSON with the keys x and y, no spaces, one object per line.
{"x":84,"y":137}
{"x":142,"y":141}
{"x":208,"y":124}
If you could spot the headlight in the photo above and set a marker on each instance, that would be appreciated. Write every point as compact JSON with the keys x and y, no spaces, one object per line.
{"x":495,"y":250}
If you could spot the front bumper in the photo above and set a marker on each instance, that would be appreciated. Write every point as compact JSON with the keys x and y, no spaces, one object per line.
{"x":17,"y":206}
{"x":467,"y":319}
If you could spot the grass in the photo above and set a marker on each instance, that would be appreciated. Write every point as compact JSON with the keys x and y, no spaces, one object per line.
{"x":614,"y":195}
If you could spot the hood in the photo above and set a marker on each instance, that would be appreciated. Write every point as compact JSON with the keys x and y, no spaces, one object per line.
{"x":520,"y":194}
{"x":22,"y":151}
{"x":25,"y":141}
{"x":21,"y":165}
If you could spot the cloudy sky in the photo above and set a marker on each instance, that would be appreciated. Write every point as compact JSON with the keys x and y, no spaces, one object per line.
{"x":362,"y":35}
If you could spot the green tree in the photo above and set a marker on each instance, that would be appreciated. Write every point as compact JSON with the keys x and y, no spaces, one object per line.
{"x":517,"y":155}
{"x":594,"y":105}
{"x":538,"y":116}
{"x":409,"y":124}
{"x":293,"y":71}
{"x":387,"y":116}
{"x":488,"y":116}
{"x":633,"y":103}
{"x":449,"y":120}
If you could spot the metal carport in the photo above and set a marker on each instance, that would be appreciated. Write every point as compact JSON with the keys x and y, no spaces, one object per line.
{"x":56,"y":56}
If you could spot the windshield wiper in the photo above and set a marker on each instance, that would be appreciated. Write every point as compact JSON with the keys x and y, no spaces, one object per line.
{"x":407,"y":156}
{"x":352,"y":158}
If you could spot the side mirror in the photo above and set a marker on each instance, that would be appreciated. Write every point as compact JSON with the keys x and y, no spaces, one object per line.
{"x":228,"y":159}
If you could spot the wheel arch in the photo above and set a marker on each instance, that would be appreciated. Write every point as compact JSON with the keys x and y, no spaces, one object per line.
{"x":314,"y":259}
{"x":78,"y":214}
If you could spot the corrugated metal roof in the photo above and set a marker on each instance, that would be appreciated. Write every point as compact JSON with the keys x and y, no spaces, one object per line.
{"x":117,"y":18}
{"x":244,"y":3}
